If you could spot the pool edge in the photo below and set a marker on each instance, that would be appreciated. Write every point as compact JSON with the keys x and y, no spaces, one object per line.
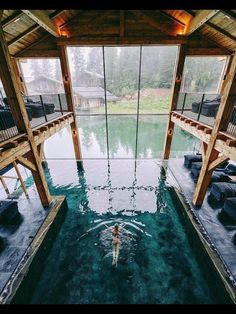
{"x":20,"y":276}
{"x":215,"y":259}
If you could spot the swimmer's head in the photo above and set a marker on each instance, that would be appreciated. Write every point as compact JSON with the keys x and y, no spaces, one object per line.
{"x":116,"y":226}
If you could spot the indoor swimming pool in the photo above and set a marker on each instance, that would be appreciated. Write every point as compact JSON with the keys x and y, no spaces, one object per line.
{"x":160,"y":260}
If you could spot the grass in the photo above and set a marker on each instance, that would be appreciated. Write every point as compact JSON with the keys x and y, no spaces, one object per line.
{"x":147,"y":105}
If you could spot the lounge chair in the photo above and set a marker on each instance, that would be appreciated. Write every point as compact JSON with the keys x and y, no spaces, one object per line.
{"x":6,"y":120}
{"x":189,"y":159}
{"x":222,"y":190}
{"x":230,"y":207}
{"x":209,"y":107}
{"x":7,"y":108}
{"x":8,"y":212}
{"x":218,"y":174}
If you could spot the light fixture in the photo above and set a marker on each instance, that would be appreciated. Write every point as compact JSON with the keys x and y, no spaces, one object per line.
{"x":17,"y":20}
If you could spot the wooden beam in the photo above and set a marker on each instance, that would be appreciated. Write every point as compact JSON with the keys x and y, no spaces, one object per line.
{"x":220,"y":160}
{"x":20,"y":116}
{"x":43,"y":20}
{"x":4,"y":186}
{"x":172,"y":18}
{"x":70,"y":99}
{"x":21,"y":179}
{"x":39,"y":53}
{"x":200,"y":18}
{"x":32,"y":29}
{"x":175,"y":93}
{"x":141,"y":16}
{"x":132,"y":40}
{"x":19,"y":76}
{"x":18,"y":54}
{"x":26,"y":163}
{"x":206,"y":52}
{"x":230,"y":14}
{"x":22,"y":35}
{"x":12,"y":18}
{"x":220,"y":123}
{"x":40,"y":149}
{"x":224,"y":49}
{"x":221,"y":30}
{"x":122,"y":23}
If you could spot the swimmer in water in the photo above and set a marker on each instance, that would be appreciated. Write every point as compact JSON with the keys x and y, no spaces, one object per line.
{"x":116,"y":233}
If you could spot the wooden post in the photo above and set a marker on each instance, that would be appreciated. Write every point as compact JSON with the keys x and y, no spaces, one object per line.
{"x":175,"y":94}
{"x":21,"y":179}
{"x":4,"y":186}
{"x":20,"y":116}
{"x":228,"y":89}
{"x":19,"y":76}
{"x":70,"y":99}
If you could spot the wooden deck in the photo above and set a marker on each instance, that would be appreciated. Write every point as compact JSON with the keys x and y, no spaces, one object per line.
{"x":225,"y":143}
{"x":19,"y":146}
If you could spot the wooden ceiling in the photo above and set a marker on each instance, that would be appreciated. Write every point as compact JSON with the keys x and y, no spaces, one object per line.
{"x":26,"y":29}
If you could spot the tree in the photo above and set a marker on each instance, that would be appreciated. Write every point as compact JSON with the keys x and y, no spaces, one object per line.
{"x":35,"y":67}
{"x":95,"y":60}
{"x":57,"y":72}
{"x":78,"y":63}
{"x":47,"y":68}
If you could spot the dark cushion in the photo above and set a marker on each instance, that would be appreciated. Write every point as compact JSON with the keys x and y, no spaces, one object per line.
{"x":49,"y":108}
{"x":222,"y":190}
{"x":230,"y":170}
{"x":6,"y":120}
{"x":209,"y":107}
{"x":189,"y":159}
{"x":2,"y":243}
{"x":36,"y":109}
{"x":230,"y":207}
{"x":195,"y":170}
{"x":8,"y":212}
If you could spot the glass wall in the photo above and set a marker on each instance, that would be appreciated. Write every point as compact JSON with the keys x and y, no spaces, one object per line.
{"x":45,"y":99}
{"x":122,"y":97}
{"x":199,"y":96}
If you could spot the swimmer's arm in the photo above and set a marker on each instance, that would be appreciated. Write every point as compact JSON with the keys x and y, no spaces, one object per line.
{"x":122,"y":226}
{"x":107,"y":228}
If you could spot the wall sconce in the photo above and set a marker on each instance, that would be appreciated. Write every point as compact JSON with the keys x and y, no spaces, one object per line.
{"x":178,"y":78}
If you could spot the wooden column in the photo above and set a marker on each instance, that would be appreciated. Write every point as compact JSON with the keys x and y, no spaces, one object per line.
{"x":175,"y":93}
{"x":21,"y":179}
{"x":70,"y":100}
{"x":20,"y":116}
{"x":222,"y":118}
{"x":19,"y":76}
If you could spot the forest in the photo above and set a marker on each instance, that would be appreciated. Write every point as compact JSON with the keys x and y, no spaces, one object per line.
{"x":150,"y":68}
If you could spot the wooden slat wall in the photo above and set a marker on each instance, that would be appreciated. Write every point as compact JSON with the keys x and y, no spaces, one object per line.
{"x":83,"y":23}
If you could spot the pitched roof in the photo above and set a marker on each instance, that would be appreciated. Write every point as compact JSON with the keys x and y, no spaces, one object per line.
{"x":44,"y":77}
{"x":94,"y":92}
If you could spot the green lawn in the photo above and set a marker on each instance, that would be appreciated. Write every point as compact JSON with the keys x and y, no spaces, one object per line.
{"x":149,"y":104}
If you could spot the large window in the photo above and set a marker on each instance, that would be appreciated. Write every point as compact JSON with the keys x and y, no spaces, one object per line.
{"x":45,"y":99}
{"x":202,"y":74}
{"x":122,"y":98}
{"x":119,"y":93}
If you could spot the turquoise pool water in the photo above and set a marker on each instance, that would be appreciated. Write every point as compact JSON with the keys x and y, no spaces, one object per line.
{"x":159,"y":261}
